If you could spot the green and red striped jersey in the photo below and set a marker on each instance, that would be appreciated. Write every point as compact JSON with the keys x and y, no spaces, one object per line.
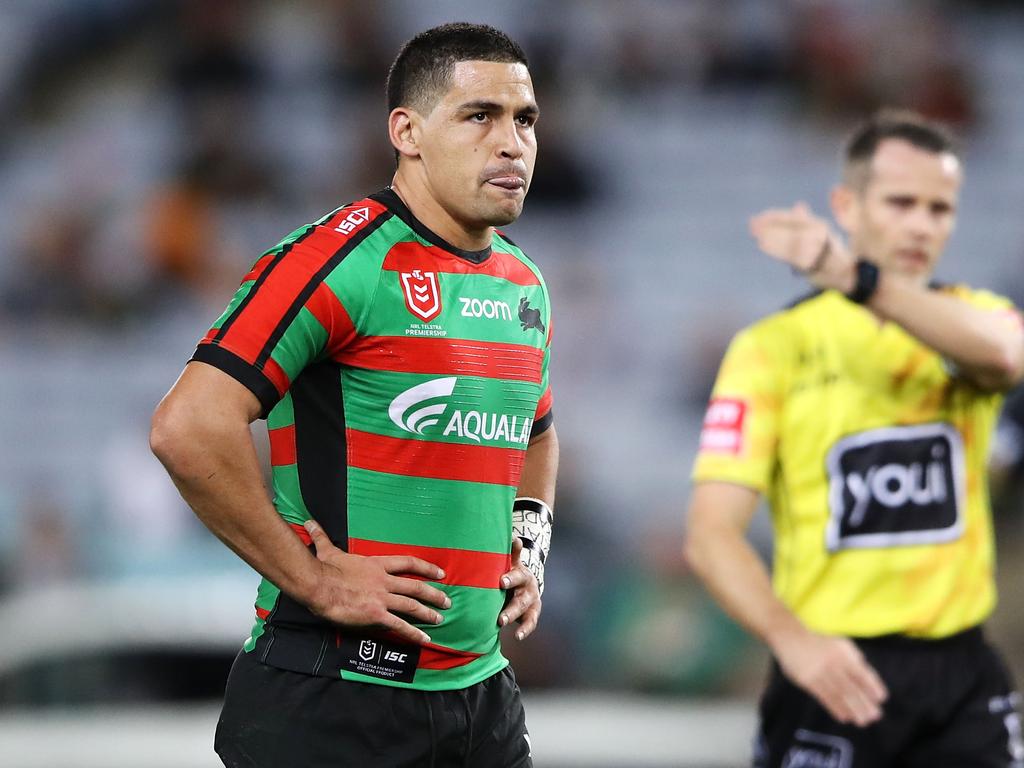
{"x":401,"y":379}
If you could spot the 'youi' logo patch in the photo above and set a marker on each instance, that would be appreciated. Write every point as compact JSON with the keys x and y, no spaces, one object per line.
{"x":896,"y":486}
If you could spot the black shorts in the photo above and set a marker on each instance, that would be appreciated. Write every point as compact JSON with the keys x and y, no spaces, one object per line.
{"x":274,"y":718}
{"x":951,"y":704}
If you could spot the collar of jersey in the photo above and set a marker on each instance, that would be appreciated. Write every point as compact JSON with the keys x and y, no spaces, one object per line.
{"x":389,"y":198}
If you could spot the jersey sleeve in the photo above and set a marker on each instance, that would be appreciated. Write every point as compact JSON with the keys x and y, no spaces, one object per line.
{"x":1000,"y":306}
{"x":544,"y":415}
{"x":285,"y":315}
{"x":739,"y":437}
{"x":990,"y":301}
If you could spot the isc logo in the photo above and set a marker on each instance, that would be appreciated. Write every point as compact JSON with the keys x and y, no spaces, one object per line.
{"x":353,"y":220}
{"x":395,"y":656}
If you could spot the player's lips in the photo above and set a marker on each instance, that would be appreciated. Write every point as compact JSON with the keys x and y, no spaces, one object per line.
{"x":511,"y":177}
{"x":508,"y":182}
{"x":913,"y":257}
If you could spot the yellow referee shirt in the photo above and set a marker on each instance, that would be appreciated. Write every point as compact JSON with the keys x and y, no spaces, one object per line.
{"x":872,"y":454}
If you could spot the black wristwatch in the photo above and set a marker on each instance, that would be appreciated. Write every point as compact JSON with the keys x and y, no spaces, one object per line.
{"x":867,"y":282}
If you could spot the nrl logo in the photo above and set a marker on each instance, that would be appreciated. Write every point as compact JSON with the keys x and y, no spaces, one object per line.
{"x":422,"y":296}
{"x":367,"y":649}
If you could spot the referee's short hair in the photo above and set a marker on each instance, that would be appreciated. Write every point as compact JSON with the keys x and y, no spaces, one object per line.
{"x":421,"y":73}
{"x":905,"y":125}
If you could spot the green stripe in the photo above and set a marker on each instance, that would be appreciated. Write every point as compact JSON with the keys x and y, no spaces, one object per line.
{"x":290,"y":238}
{"x":471,"y":624}
{"x":355,"y":279}
{"x":283,"y":414}
{"x":257,"y":631}
{"x":544,"y":371}
{"x":303,"y":341}
{"x":430,"y":513}
{"x":287,"y":494}
{"x":266,"y":598}
{"x":240,"y":294}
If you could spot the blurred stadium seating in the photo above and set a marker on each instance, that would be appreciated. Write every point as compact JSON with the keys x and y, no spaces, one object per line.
{"x":151,"y":149}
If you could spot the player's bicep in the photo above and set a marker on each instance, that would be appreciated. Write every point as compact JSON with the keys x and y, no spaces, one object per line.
{"x":277,"y":325}
{"x":740,"y":434}
{"x":721,"y":506}
{"x":204,"y":391}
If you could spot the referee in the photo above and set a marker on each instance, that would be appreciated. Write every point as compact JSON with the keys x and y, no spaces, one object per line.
{"x":864,"y":413}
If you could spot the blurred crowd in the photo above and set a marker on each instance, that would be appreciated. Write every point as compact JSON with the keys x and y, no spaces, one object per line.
{"x":150,"y":150}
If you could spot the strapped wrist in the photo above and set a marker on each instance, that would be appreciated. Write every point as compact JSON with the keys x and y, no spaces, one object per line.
{"x":531,"y":522}
{"x":867,"y":274}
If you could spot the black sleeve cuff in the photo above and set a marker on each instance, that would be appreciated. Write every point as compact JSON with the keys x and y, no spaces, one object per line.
{"x":248,"y":376}
{"x":542,"y":424}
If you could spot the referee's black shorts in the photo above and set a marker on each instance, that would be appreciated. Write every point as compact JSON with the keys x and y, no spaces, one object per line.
{"x":951,"y":705}
{"x":273,"y":718}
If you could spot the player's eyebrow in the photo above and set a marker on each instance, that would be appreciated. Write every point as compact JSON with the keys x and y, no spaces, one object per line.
{"x":483,"y":105}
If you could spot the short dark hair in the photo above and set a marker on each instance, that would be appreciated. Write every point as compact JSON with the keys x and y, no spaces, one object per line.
{"x":905,"y":125}
{"x":422,"y":71}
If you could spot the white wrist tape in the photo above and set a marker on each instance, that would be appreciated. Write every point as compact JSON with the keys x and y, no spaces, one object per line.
{"x":531,"y":522}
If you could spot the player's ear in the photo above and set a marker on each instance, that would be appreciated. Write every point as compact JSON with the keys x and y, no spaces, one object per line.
{"x":844,"y":202}
{"x":403,"y":130}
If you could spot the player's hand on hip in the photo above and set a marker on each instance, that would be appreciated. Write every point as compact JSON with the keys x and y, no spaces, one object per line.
{"x":835,"y":673}
{"x":795,"y":236}
{"x":358,"y":591}
{"x":522,"y":595}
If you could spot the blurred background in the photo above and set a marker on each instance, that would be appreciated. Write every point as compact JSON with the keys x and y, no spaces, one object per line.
{"x":150,"y":150}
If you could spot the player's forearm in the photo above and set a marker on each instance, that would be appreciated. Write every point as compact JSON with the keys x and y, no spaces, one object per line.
{"x":735,"y":576}
{"x":540,"y":468}
{"x":216,"y":470}
{"x":986,"y":347}
{"x":718,"y":551}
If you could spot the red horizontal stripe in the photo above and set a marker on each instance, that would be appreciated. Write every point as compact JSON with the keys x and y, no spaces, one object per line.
{"x":544,"y":404}
{"x":448,"y":357}
{"x":249,"y":331}
{"x":441,"y":461}
{"x":462,"y":567}
{"x":262,"y":613}
{"x":438,"y":657}
{"x":282,"y":445}
{"x":302,"y":533}
{"x":405,"y":257}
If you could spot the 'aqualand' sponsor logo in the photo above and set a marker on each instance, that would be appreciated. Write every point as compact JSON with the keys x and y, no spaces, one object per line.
{"x":422,"y":407}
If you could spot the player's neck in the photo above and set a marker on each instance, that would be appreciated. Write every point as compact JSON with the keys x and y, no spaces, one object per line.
{"x":433,"y":216}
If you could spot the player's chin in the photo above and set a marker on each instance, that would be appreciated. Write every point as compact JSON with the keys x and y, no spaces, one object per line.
{"x":915,"y":273}
{"x":504,"y":213}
